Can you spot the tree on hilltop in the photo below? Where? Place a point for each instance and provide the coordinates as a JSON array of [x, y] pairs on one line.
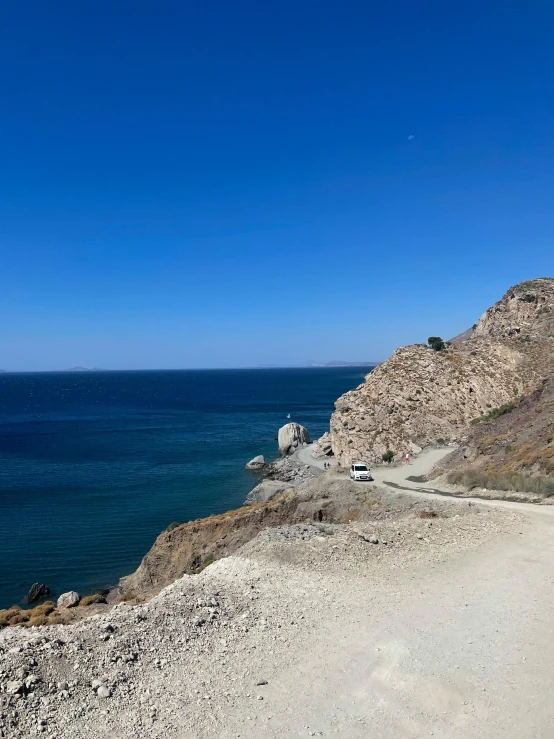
[[436, 343]]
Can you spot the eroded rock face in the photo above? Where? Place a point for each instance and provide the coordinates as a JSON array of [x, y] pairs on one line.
[[323, 446], [291, 436], [526, 310], [420, 396]]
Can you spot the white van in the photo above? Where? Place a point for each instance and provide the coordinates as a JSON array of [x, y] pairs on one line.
[[360, 471]]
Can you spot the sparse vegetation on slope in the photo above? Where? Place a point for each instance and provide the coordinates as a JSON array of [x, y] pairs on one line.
[[512, 451], [495, 413], [518, 482]]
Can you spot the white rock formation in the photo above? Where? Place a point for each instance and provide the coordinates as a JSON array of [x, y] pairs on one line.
[[257, 463], [69, 600], [291, 436]]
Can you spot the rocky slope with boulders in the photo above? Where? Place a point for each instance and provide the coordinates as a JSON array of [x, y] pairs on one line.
[[422, 397]]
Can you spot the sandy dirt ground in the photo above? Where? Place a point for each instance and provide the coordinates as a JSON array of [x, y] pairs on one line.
[[457, 648], [443, 628]]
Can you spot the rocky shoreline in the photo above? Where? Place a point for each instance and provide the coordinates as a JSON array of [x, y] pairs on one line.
[[277, 477]]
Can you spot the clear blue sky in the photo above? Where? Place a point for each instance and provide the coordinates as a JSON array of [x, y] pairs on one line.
[[192, 184]]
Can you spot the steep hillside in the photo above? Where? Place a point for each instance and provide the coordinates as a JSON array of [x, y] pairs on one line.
[[421, 396], [514, 451]]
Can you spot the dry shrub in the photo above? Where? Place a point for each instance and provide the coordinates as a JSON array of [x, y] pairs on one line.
[[43, 610], [427, 514], [126, 596], [90, 600], [38, 620], [490, 440], [37, 616], [56, 618], [508, 481], [7, 614], [19, 618]]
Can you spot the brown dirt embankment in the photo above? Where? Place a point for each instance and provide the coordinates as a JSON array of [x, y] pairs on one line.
[[189, 548]]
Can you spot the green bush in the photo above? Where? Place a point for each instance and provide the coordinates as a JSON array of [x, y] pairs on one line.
[[174, 525], [388, 456], [495, 413], [436, 343]]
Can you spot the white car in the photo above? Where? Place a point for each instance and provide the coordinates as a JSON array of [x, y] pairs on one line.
[[360, 472]]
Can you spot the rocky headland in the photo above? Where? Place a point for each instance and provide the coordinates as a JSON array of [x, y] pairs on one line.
[[421, 397]]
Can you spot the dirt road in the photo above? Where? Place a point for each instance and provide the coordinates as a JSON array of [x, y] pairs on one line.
[[460, 648], [396, 478]]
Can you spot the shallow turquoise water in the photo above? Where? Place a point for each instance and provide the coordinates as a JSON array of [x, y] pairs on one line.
[[94, 465]]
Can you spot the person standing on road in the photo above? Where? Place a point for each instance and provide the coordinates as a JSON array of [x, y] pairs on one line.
[[407, 459]]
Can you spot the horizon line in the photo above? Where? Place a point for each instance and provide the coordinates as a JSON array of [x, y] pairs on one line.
[[85, 370]]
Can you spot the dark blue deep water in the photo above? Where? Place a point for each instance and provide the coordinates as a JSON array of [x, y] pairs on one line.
[[94, 465]]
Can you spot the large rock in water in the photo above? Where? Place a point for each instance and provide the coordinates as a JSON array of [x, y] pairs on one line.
[[37, 590], [69, 600], [291, 436], [257, 463]]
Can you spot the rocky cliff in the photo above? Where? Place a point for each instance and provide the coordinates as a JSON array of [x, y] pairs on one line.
[[421, 396]]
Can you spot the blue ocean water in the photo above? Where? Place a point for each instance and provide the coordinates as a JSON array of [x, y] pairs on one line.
[[94, 465]]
